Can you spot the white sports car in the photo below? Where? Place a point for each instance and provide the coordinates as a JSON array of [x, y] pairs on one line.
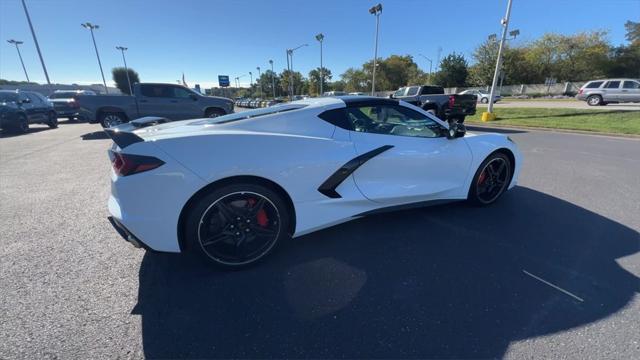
[[234, 187]]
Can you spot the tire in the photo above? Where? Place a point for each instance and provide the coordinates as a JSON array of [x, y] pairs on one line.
[[110, 119], [456, 120], [594, 100], [53, 120], [484, 100], [432, 111], [236, 235], [488, 185], [212, 113], [22, 126]]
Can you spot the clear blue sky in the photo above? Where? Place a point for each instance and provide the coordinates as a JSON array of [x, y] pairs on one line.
[[207, 38]]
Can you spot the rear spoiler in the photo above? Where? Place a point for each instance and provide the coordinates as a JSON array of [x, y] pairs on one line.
[[124, 136]]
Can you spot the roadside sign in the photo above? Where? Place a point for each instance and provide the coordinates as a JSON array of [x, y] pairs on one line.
[[223, 80]]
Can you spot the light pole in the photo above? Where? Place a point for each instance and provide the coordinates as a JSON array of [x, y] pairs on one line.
[[35, 40], [273, 81], [505, 27], [91, 26], [126, 69], [430, 65], [259, 82], [250, 79], [320, 38], [16, 43], [290, 55], [376, 10]]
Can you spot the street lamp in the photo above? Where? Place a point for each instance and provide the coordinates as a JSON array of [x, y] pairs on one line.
[[250, 79], [91, 27], [273, 81], [259, 81], [35, 40], [376, 10], [126, 69], [505, 27], [430, 65], [320, 38], [290, 65], [16, 43]]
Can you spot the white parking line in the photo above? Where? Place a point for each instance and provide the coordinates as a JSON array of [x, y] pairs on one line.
[[553, 286]]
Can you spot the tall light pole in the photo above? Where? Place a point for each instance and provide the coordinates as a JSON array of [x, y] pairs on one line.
[[290, 61], [91, 26], [320, 38], [259, 81], [250, 79], [438, 58], [430, 65], [126, 69], [505, 29], [273, 81], [16, 43], [35, 40], [376, 10]]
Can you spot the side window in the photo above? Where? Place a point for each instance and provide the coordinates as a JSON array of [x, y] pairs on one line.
[[413, 91], [630, 85], [180, 93], [594, 84], [613, 85], [155, 91], [24, 97], [34, 99], [392, 120], [399, 92]]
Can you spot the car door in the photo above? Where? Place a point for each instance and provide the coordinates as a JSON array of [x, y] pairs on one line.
[[29, 108], [630, 91], [157, 100], [412, 160], [187, 103], [611, 91]]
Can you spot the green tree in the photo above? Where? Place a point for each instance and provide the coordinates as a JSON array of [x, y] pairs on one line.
[[119, 75], [285, 81], [314, 80], [355, 80], [633, 32], [453, 71], [267, 83], [484, 56]]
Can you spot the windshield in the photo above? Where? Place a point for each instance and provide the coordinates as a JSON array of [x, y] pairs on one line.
[[8, 97], [249, 114]]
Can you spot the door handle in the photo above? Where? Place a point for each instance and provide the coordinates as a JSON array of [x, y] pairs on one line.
[[625, 90]]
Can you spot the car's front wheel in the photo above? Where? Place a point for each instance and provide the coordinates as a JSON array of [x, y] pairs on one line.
[[491, 180], [237, 225], [484, 100], [594, 100], [52, 120], [212, 113]]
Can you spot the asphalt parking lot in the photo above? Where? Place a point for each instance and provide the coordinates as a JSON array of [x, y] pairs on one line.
[[551, 271]]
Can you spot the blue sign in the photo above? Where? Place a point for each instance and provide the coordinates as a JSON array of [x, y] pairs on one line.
[[223, 80]]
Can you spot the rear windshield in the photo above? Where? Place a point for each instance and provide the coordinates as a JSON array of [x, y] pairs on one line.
[[594, 84], [63, 95], [249, 114], [8, 97]]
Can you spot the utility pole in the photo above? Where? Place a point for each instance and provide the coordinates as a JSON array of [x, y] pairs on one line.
[[91, 26], [290, 54], [35, 40], [16, 43], [259, 81], [320, 38], [430, 65], [376, 10], [273, 81], [126, 69], [505, 27]]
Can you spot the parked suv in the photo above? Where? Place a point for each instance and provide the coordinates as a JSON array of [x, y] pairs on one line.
[[66, 104], [603, 92], [18, 109]]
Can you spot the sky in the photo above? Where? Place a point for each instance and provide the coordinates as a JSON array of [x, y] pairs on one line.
[[205, 39]]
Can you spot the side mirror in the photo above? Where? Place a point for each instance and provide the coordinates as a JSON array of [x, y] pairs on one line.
[[24, 101], [456, 130], [193, 97]]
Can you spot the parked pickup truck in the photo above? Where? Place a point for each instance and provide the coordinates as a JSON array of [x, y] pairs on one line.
[[453, 108], [170, 101]]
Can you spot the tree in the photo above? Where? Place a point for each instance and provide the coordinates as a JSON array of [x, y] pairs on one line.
[[633, 32], [119, 75], [485, 56], [267, 83], [314, 80], [297, 82], [453, 71], [355, 80]]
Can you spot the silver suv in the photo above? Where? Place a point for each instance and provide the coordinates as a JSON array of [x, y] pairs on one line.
[[602, 92]]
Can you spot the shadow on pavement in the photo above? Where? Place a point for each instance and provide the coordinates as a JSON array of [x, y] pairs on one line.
[[32, 130], [96, 135], [441, 282]]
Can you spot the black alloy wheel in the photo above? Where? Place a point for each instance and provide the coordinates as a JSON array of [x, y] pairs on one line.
[[491, 179], [52, 120], [23, 125]]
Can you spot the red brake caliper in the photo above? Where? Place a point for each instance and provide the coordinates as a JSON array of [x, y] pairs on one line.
[[261, 216], [482, 176]]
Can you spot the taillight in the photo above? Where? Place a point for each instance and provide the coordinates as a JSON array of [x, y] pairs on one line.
[[579, 91], [128, 164], [452, 101]]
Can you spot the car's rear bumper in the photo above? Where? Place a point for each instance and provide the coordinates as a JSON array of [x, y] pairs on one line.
[[127, 235]]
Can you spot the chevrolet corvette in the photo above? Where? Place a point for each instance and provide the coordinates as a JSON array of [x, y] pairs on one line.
[[234, 187]]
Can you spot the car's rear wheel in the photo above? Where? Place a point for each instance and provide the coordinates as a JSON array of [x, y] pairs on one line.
[[594, 100], [456, 120], [484, 100], [212, 113], [22, 126], [491, 180], [237, 225], [52, 120], [111, 119]]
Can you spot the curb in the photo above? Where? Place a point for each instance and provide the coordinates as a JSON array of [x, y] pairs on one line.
[[569, 131]]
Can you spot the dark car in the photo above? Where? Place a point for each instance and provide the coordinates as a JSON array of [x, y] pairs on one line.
[[18, 109], [65, 102], [450, 107]]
